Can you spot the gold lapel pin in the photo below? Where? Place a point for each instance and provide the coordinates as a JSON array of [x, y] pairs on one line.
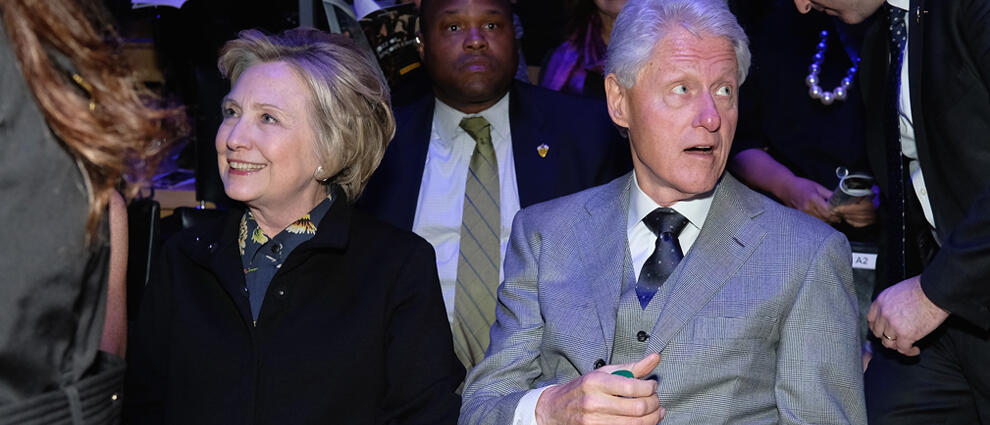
[[542, 150]]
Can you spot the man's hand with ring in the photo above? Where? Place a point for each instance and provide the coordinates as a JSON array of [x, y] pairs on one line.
[[903, 314]]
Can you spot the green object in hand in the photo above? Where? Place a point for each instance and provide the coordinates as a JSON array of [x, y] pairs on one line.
[[625, 373]]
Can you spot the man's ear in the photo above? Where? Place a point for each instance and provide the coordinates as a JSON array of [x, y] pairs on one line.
[[615, 99]]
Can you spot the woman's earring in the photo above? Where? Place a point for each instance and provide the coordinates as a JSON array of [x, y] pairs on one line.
[[318, 173]]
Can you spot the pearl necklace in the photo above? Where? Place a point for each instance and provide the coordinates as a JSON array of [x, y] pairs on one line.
[[815, 91]]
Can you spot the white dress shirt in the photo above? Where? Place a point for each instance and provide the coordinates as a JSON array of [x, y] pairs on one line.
[[441, 193], [642, 242], [906, 122]]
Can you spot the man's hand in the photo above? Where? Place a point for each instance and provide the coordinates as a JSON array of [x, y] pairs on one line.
[[807, 196], [902, 314], [861, 213], [602, 398]]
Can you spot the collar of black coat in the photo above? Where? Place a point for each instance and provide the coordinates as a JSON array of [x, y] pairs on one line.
[[215, 241]]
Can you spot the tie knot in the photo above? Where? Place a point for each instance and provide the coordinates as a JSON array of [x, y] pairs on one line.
[[665, 220], [897, 25], [478, 128]]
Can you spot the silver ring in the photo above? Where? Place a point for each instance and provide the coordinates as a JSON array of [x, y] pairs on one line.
[[887, 337]]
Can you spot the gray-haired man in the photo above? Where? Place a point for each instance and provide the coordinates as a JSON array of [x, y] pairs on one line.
[[749, 303]]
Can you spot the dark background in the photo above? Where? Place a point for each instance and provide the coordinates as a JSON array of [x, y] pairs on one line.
[[185, 43]]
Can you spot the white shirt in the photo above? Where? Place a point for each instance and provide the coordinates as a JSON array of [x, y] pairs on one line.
[[441, 193], [906, 122], [642, 241]]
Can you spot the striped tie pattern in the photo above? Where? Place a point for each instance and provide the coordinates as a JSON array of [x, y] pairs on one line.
[[478, 266]]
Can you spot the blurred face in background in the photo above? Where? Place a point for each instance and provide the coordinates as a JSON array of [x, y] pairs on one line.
[[469, 50], [849, 11], [610, 7], [266, 147]]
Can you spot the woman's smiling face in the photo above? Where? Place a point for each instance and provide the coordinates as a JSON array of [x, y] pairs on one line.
[[266, 144]]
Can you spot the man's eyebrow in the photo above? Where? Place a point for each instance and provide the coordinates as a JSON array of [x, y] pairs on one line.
[[498, 12], [449, 12], [486, 12], [730, 73]]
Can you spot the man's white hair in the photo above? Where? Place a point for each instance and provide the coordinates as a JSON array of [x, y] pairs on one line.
[[643, 23]]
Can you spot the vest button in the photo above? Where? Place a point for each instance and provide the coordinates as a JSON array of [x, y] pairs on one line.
[[642, 336], [599, 363]]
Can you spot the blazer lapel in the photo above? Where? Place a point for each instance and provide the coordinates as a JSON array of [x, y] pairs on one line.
[[917, 17], [872, 78], [915, 49], [535, 174], [727, 240], [606, 254]]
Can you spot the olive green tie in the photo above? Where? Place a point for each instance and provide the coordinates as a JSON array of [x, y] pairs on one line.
[[478, 266]]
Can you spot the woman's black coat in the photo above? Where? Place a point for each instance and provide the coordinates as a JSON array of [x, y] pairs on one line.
[[352, 331]]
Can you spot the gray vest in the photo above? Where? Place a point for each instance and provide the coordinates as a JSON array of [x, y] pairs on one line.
[[634, 325]]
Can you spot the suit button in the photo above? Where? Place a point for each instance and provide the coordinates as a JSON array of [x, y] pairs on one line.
[[280, 292], [244, 291], [599, 363], [642, 336]]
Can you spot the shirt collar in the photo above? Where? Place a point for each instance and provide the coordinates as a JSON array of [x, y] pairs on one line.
[[641, 205], [900, 4], [251, 238], [448, 120]]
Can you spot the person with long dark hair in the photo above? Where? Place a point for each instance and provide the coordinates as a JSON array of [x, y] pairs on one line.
[[73, 123]]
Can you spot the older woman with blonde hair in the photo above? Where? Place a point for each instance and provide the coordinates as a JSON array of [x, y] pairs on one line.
[[297, 309]]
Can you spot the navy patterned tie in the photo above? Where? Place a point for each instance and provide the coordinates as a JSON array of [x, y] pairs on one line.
[[666, 224], [895, 162]]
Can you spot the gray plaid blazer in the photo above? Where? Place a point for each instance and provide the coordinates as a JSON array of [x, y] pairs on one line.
[[761, 327]]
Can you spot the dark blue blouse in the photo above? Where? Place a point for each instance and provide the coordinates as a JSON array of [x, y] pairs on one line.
[[263, 256]]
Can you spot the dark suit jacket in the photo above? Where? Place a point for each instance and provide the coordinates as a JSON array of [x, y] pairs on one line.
[[585, 150], [352, 330], [949, 60]]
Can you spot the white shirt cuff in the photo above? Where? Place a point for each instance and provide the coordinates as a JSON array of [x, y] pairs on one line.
[[526, 409]]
